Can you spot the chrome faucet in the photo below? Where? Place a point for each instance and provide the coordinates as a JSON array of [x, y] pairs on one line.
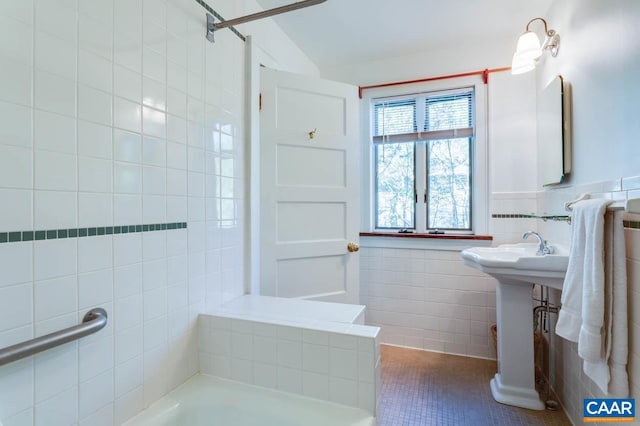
[[543, 248]]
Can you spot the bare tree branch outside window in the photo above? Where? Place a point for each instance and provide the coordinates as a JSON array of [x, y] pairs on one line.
[[447, 162]]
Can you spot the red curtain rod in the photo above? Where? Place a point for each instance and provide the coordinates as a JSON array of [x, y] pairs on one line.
[[484, 73]]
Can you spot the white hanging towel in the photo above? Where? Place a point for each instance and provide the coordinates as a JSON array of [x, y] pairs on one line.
[[610, 371], [583, 288], [594, 296]]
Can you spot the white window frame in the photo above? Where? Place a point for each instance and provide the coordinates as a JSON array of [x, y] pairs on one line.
[[479, 166]]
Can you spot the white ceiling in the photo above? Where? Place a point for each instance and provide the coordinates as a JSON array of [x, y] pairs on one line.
[[344, 31]]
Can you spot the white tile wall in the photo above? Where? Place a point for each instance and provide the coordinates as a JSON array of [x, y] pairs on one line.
[[509, 230], [341, 367], [428, 299], [102, 123]]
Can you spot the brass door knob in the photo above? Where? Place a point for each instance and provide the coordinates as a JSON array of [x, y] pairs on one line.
[[353, 247]]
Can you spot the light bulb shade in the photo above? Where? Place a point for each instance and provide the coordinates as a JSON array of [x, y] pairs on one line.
[[520, 65], [529, 46]]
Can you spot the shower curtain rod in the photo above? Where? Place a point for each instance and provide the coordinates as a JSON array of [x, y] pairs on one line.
[[212, 26], [484, 73]]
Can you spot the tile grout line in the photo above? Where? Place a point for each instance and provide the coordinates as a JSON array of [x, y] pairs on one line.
[[113, 203], [32, 124], [77, 196]]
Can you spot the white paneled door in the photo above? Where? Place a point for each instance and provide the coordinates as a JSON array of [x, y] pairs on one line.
[[309, 188]]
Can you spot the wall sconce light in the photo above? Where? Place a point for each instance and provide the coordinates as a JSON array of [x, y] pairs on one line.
[[529, 48]]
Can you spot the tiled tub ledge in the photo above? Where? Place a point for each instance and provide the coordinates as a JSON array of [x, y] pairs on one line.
[[316, 349], [296, 310]]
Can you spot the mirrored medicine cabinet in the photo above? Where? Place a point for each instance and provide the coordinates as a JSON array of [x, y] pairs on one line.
[[554, 132]]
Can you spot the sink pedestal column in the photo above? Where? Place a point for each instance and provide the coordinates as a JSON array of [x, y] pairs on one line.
[[514, 384]]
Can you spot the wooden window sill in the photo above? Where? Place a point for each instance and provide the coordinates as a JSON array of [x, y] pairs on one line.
[[427, 236]]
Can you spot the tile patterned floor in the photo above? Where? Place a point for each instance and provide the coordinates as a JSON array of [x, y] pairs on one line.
[[427, 388]]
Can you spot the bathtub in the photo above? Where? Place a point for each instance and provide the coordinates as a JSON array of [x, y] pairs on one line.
[[274, 361], [209, 401]]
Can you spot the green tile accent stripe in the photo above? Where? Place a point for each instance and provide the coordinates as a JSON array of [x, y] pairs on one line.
[[630, 224], [545, 217], [53, 234], [511, 216], [532, 216]]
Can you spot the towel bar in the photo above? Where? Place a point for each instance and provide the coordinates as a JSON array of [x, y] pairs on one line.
[[630, 206], [93, 321]]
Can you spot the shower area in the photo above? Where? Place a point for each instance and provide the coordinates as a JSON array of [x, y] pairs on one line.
[[123, 176]]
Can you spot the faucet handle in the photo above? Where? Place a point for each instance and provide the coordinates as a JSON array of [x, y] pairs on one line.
[[543, 247]]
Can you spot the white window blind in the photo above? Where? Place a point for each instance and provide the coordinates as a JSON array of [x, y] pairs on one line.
[[395, 117], [447, 115]]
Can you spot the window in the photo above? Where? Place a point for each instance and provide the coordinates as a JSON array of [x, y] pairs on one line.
[[422, 155]]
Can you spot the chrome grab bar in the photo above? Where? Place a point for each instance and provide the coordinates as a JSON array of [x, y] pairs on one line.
[[93, 321]]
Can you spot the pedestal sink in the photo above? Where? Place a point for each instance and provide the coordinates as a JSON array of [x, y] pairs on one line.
[[517, 267]]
